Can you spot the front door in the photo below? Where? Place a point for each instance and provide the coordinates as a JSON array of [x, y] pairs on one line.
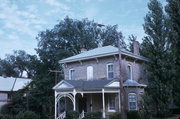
[[82, 104]]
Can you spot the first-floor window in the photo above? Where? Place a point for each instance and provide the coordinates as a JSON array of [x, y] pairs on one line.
[[111, 103], [72, 75], [132, 100]]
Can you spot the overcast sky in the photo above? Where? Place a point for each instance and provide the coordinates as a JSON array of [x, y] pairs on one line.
[[22, 20]]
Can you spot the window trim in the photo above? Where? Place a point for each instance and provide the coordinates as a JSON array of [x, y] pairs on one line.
[[70, 78], [129, 65], [107, 72], [89, 79], [129, 101], [111, 110]]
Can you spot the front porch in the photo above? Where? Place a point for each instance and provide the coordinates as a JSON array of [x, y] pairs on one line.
[[87, 96]]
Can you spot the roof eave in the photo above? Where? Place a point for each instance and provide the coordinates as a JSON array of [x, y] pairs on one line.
[[103, 55]]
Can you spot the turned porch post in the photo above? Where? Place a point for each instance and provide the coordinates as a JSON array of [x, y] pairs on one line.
[[103, 100], [55, 95], [74, 102]]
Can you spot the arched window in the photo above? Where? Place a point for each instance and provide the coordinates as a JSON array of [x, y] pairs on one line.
[[110, 71], [129, 72], [72, 75], [132, 101], [89, 73]]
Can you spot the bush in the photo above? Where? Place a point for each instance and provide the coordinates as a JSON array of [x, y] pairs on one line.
[[133, 115], [5, 109], [26, 115], [93, 115], [6, 116], [115, 115], [72, 115], [144, 115]]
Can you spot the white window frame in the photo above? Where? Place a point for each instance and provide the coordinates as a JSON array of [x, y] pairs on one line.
[[131, 74], [70, 77], [133, 101], [92, 73], [108, 71], [109, 97]]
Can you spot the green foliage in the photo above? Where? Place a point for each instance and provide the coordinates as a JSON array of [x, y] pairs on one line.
[[72, 115], [93, 115], [5, 109], [173, 14], [115, 115], [26, 115], [156, 47], [133, 115], [6, 116]]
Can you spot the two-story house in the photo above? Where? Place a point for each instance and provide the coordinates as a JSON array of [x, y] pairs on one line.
[[91, 81]]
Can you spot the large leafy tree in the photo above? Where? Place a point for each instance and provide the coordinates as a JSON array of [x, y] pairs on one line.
[[155, 46], [69, 36], [173, 12], [17, 63]]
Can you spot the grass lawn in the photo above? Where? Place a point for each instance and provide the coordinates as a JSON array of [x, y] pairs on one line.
[[177, 116]]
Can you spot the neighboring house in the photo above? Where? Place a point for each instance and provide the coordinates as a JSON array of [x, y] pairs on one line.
[[9, 85], [91, 81]]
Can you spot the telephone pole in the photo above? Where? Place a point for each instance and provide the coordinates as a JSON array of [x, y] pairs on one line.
[[56, 74], [121, 79]]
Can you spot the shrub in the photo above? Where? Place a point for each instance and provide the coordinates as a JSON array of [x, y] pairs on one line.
[[133, 115], [144, 115], [72, 115], [93, 115], [115, 115], [5, 109], [6, 116], [26, 115]]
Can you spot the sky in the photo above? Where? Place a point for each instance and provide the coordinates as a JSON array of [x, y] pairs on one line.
[[22, 20]]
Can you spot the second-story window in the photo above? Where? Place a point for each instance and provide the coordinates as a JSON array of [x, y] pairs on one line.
[[110, 71], [72, 74], [129, 69], [89, 73]]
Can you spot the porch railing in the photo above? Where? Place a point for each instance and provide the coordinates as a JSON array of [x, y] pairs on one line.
[[82, 115], [62, 115]]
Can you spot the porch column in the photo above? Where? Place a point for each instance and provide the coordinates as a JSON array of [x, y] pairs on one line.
[[55, 95], [103, 100], [74, 101], [119, 101]]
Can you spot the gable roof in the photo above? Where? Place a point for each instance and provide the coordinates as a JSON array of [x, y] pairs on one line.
[[100, 52], [6, 84]]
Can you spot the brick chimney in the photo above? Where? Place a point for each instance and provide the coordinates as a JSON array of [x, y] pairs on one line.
[[136, 47]]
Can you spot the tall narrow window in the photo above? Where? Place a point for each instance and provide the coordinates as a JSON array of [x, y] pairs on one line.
[[111, 103], [129, 68], [132, 100], [89, 73], [110, 71], [72, 74]]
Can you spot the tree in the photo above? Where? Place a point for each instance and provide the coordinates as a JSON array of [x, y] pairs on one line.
[[173, 12], [155, 46], [17, 63]]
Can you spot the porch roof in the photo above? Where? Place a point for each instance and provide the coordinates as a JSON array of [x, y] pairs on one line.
[[94, 84], [84, 85]]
